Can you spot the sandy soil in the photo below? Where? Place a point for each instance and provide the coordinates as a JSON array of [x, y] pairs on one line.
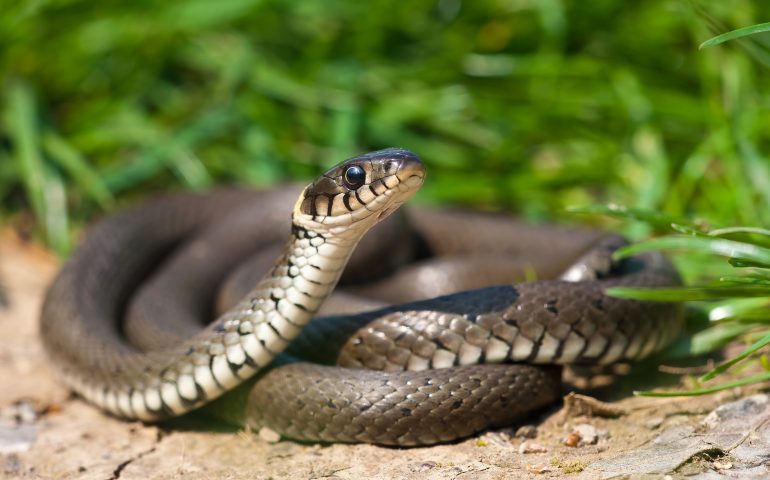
[[45, 432]]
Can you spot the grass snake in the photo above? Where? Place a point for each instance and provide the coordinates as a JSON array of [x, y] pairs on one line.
[[125, 321]]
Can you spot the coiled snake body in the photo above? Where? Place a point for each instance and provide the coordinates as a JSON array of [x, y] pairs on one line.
[[417, 375]]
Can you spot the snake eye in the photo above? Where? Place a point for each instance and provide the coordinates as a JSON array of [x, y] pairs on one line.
[[354, 176]]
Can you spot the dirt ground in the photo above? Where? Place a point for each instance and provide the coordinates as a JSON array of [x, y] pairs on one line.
[[45, 432]]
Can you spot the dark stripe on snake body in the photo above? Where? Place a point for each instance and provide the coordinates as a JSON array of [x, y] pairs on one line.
[[358, 197]]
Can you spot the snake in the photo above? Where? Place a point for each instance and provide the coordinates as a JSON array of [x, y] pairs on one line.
[[133, 323]]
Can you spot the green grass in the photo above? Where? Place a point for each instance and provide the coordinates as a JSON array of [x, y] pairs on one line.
[[533, 107], [736, 303], [737, 315], [736, 34]]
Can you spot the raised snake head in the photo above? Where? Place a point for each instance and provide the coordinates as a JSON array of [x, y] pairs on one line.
[[351, 197]]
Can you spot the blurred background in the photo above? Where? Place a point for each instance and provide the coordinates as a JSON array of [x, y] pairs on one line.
[[528, 106]]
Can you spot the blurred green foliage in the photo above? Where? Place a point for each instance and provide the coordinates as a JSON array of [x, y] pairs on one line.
[[524, 105]]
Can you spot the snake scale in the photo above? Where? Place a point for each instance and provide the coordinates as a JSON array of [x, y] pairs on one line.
[[419, 372]]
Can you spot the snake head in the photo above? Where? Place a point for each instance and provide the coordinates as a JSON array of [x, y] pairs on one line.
[[354, 195]]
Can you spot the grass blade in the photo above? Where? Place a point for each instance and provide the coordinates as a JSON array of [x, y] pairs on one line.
[[45, 189], [708, 340], [657, 219], [732, 35], [765, 340], [688, 294], [746, 280], [21, 123], [720, 232], [56, 216], [69, 159], [703, 391], [740, 251]]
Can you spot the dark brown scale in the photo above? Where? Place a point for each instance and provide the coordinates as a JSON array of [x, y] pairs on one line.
[[406, 411]]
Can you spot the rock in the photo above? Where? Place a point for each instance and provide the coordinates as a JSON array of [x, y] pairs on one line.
[[738, 431], [19, 412], [654, 422], [571, 440], [737, 411], [539, 469], [16, 439], [498, 439], [269, 435], [420, 467], [531, 447], [590, 435], [526, 431], [585, 434]]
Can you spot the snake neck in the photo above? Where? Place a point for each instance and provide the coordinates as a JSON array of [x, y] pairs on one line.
[[291, 293]]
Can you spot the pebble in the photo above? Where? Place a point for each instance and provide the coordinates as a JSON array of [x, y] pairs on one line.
[[539, 469], [585, 434], [420, 467], [654, 422], [588, 434], [498, 439], [531, 447], [269, 435], [526, 431], [571, 440], [21, 412], [16, 439]]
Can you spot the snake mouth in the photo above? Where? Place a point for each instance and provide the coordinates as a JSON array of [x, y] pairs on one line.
[[409, 168]]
